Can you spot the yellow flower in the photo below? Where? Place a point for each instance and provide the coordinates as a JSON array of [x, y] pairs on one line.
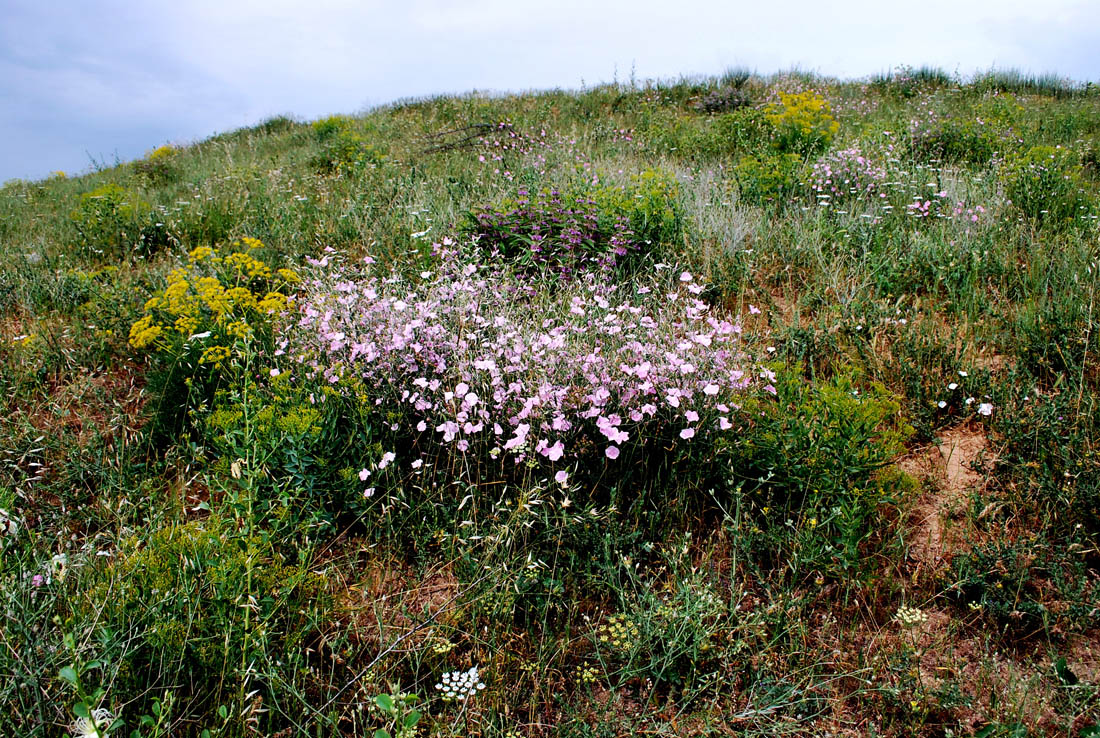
[[289, 276], [144, 332], [214, 355], [200, 253]]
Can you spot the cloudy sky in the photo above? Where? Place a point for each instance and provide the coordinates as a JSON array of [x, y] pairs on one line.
[[86, 82]]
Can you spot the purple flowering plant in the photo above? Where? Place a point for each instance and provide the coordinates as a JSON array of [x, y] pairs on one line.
[[468, 366]]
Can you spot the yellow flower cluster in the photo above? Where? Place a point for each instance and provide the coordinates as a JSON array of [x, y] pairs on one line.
[[803, 120], [619, 632], [224, 294]]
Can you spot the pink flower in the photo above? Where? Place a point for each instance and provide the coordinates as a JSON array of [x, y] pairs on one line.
[[753, 310], [710, 389], [687, 433], [612, 452], [561, 477], [363, 474], [554, 452], [724, 423], [368, 492]]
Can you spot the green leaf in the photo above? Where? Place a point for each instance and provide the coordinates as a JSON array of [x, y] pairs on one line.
[[380, 733], [80, 709], [68, 673], [412, 719], [1064, 672], [385, 702], [223, 712]]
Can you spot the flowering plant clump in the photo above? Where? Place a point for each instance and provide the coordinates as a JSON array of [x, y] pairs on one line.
[[553, 232], [847, 175], [343, 149], [467, 361], [1045, 185], [159, 164], [803, 122], [218, 300], [584, 229]]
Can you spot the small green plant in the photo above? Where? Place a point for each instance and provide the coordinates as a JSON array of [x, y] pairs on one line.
[[113, 222], [399, 712], [769, 178], [1044, 184], [343, 149], [92, 720]]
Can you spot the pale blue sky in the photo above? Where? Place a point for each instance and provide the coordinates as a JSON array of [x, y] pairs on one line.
[[100, 80]]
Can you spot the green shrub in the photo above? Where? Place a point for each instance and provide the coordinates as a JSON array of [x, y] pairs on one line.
[[1045, 186], [814, 467], [201, 606], [343, 149], [159, 165], [113, 222], [1027, 586], [956, 141], [769, 177], [747, 129]]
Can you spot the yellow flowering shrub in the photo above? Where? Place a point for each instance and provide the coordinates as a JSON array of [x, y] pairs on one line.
[[216, 302], [803, 122]]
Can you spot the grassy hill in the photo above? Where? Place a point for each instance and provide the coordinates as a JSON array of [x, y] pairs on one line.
[[738, 406]]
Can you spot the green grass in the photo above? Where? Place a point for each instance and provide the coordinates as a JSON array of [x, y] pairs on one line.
[[187, 544]]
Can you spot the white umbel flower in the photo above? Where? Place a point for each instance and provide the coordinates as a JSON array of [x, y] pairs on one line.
[[460, 685]]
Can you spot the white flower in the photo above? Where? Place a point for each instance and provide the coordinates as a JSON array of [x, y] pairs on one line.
[[9, 525], [94, 726], [910, 617], [460, 685], [986, 408]]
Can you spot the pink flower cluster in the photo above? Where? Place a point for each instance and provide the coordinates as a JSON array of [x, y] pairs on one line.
[[847, 175], [470, 362]]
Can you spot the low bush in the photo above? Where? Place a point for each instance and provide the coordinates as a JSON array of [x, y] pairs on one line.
[[115, 223], [955, 141], [845, 176], [343, 149], [585, 228], [803, 121], [199, 608], [1044, 184], [470, 372], [216, 310], [769, 178]]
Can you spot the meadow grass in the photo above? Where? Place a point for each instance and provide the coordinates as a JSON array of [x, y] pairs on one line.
[[749, 405]]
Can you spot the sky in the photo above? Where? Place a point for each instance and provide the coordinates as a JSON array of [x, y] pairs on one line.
[[88, 83]]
